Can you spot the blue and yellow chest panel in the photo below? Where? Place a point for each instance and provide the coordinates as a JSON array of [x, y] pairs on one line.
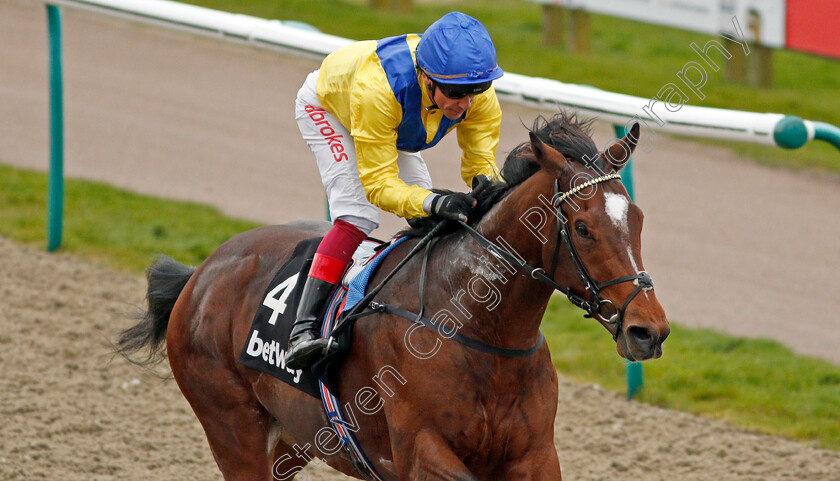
[[395, 57]]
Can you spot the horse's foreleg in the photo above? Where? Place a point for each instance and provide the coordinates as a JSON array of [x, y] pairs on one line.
[[286, 463], [536, 466], [427, 457]]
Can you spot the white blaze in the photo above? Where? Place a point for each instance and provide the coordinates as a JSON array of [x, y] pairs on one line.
[[617, 207]]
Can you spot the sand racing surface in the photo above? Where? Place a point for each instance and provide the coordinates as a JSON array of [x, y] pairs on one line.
[[730, 245]]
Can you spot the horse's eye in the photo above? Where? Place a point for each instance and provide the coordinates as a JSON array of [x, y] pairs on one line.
[[581, 229]]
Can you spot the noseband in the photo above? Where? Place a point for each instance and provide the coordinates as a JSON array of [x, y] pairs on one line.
[[595, 305]]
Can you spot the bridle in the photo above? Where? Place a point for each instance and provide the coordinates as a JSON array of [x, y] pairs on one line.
[[594, 306]]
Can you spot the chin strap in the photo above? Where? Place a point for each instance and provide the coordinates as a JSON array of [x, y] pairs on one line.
[[432, 97], [431, 90]]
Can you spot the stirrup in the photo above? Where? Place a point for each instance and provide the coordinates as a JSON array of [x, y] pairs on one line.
[[331, 344], [307, 355]]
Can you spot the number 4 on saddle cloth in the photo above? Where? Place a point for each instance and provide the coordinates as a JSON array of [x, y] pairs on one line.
[[268, 339]]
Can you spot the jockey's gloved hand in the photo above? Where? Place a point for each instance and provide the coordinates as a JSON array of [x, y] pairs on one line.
[[479, 183], [455, 206]]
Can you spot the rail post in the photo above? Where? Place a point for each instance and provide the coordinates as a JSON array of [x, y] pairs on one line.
[[55, 200], [635, 376]]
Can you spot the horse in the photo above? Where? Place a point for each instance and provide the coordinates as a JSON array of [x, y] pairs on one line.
[[427, 407]]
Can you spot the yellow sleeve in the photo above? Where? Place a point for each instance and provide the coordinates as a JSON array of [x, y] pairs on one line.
[[375, 116], [478, 137]]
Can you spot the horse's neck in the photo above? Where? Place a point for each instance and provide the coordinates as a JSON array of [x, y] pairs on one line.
[[504, 307]]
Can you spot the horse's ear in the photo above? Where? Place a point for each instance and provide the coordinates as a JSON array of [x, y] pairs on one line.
[[548, 158], [620, 152]]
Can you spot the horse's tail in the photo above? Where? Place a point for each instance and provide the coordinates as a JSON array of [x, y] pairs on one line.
[[166, 278]]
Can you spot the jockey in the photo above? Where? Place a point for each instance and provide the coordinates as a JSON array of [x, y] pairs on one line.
[[366, 114]]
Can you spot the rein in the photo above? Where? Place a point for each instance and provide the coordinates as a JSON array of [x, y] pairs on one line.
[[376, 307], [456, 336], [366, 301]]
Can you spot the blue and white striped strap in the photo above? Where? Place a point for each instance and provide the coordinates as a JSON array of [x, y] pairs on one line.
[[333, 407]]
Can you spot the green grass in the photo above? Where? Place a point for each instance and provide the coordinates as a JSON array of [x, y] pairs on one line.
[[627, 57], [756, 384], [123, 230]]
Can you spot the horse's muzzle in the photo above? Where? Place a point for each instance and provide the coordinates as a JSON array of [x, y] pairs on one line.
[[640, 343]]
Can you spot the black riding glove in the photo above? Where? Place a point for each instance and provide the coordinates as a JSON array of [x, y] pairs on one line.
[[455, 206], [480, 181]]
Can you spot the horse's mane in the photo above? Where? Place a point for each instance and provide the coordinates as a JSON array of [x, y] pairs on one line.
[[563, 132]]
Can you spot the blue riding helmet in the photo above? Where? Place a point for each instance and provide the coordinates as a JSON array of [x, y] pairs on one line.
[[457, 50]]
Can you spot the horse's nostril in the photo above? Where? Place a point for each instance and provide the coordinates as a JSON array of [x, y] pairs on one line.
[[641, 335]]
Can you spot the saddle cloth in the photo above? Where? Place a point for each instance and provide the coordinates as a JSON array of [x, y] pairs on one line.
[[268, 338]]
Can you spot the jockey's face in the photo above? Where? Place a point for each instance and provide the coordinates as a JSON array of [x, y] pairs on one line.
[[451, 108]]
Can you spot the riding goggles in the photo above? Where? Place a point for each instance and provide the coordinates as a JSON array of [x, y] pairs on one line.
[[459, 91]]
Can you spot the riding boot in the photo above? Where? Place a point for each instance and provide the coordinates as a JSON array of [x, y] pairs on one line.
[[305, 345]]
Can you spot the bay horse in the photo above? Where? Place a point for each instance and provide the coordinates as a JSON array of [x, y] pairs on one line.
[[459, 413]]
